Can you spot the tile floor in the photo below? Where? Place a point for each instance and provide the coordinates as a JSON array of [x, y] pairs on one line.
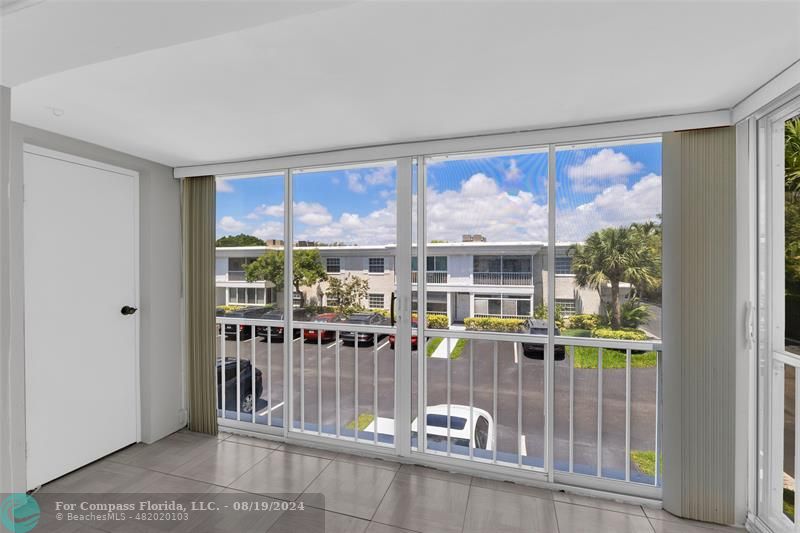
[[360, 494]]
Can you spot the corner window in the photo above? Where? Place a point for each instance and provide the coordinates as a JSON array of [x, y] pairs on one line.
[[567, 305], [376, 265], [376, 301], [333, 265], [563, 265]]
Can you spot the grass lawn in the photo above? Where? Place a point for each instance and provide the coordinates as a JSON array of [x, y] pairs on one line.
[[576, 333], [458, 349], [586, 357], [645, 462], [364, 419], [788, 503]]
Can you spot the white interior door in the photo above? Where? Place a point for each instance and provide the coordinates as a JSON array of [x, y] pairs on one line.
[[81, 351]]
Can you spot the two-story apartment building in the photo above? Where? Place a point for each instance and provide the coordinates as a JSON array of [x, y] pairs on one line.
[[465, 279]]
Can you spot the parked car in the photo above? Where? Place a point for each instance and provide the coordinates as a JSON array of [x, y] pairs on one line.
[[371, 319], [245, 380], [478, 429], [299, 314], [413, 338], [536, 350], [312, 335], [245, 331]]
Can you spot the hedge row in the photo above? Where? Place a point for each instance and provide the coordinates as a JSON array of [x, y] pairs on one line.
[[583, 321], [625, 334], [505, 325]]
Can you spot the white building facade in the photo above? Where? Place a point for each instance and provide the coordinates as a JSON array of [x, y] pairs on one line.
[[467, 279]]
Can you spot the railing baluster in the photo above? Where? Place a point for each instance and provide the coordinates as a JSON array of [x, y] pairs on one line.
[[494, 403], [355, 381], [319, 382], [628, 414], [269, 376], [302, 380], [375, 389], [520, 355], [471, 402], [447, 368], [657, 444], [796, 395], [253, 373], [338, 389], [572, 409], [222, 372], [600, 412], [238, 372]]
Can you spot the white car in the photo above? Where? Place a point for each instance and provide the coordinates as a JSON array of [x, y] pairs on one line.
[[479, 429]]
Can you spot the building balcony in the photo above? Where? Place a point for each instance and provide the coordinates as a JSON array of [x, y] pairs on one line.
[[431, 277], [502, 278]]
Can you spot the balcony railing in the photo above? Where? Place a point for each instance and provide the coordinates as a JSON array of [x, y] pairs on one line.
[[236, 275], [431, 277], [502, 278]]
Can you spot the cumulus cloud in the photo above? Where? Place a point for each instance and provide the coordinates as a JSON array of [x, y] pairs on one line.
[[601, 168], [231, 225], [311, 213], [513, 172], [269, 230], [354, 182], [224, 185], [359, 183]]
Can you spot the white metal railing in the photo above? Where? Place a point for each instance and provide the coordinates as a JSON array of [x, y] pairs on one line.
[[504, 375], [785, 441], [502, 278], [318, 357], [431, 277]]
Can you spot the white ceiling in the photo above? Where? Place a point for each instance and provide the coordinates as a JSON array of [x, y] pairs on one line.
[[227, 85]]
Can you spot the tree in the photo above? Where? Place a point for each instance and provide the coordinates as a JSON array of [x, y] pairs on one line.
[[239, 240], [792, 156], [348, 293], [306, 267], [612, 256]]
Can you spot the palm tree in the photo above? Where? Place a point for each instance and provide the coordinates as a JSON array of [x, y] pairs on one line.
[[612, 256], [792, 156]]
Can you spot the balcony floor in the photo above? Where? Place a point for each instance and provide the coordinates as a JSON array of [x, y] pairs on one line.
[[360, 494]]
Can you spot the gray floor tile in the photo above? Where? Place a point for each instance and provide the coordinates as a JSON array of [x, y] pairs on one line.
[[170, 453], [103, 476], [507, 512], [579, 518], [306, 450], [369, 461], [350, 488], [254, 441], [375, 527], [515, 488], [599, 503], [424, 503], [282, 475], [157, 482], [313, 520], [223, 463], [435, 473]]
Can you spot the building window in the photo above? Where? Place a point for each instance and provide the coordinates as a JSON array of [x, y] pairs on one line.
[[563, 265], [437, 303], [236, 266], [331, 301], [376, 265], [437, 263], [567, 306], [376, 301], [247, 296], [502, 305], [297, 299], [333, 265]]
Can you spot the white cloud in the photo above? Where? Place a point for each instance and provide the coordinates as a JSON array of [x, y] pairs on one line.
[[269, 230], [380, 176], [312, 213], [231, 225], [513, 172], [601, 168], [354, 182], [224, 185]]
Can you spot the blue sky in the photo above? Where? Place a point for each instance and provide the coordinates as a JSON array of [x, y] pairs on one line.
[[503, 197]]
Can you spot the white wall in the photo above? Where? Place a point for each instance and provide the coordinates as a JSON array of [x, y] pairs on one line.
[[160, 270], [459, 269]]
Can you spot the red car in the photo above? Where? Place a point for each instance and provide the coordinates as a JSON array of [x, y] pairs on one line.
[[310, 335], [413, 338]]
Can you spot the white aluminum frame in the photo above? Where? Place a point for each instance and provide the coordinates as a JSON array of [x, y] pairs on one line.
[[403, 331]]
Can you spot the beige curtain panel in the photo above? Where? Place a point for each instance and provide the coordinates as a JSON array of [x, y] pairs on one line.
[[198, 238]]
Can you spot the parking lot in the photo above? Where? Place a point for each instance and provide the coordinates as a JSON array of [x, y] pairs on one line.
[[319, 396]]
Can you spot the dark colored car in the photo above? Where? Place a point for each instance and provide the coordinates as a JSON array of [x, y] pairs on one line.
[[276, 332], [245, 381], [312, 335], [245, 331], [413, 338], [370, 319], [535, 350]]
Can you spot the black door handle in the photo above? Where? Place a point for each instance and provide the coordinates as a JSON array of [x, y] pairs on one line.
[[128, 310]]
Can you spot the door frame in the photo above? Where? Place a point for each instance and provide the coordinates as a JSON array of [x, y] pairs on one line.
[[28, 148], [771, 356]]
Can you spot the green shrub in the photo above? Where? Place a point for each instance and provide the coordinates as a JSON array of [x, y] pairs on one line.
[[434, 321], [382, 312], [229, 308], [633, 313], [624, 334], [583, 321], [505, 325], [541, 313]]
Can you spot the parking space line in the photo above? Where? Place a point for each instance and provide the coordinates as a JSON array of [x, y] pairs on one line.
[[268, 409], [381, 347], [516, 352], [327, 347], [523, 445]]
